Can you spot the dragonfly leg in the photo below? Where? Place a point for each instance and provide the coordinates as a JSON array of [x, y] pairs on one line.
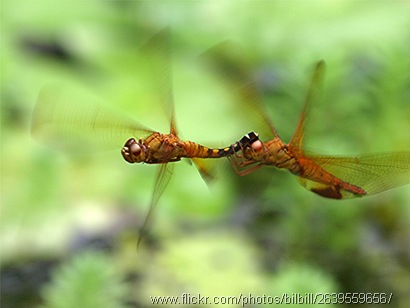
[[240, 166], [238, 159], [163, 161]]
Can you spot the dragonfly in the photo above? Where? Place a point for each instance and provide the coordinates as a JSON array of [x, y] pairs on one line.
[[71, 122], [334, 177]]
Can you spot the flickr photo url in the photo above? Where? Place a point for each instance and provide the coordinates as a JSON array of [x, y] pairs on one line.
[[285, 298]]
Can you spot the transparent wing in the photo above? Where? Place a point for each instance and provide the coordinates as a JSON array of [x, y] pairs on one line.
[[157, 66], [157, 55], [75, 122], [311, 97], [206, 169], [228, 61], [161, 182], [372, 172]]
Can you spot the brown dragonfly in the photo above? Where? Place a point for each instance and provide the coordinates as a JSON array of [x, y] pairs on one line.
[[71, 122], [333, 177]]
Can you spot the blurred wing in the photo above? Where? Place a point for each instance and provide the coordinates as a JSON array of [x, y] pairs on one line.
[[161, 182], [227, 60], [206, 168], [311, 97], [72, 121], [372, 172], [157, 55]]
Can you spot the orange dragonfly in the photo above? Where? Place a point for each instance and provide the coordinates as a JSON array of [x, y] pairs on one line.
[[70, 122], [332, 177]]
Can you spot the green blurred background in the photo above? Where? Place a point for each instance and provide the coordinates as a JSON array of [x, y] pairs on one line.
[[68, 223]]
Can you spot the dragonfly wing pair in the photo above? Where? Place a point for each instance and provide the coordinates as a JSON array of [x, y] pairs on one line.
[[72, 122], [331, 177], [75, 122]]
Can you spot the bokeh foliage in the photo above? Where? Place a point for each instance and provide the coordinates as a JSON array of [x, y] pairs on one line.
[[77, 216]]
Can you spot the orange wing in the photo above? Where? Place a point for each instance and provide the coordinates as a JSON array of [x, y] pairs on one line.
[[297, 140]]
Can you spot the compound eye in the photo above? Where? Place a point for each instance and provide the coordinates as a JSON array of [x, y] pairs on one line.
[[257, 146], [135, 149]]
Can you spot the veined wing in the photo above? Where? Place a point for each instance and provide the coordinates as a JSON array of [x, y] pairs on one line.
[[157, 64], [228, 61], [311, 97], [162, 179], [72, 121], [372, 172], [157, 55], [157, 68]]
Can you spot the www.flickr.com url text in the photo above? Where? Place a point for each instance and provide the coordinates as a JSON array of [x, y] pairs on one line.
[[285, 298]]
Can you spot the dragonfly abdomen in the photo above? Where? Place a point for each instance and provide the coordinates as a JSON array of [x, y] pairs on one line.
[[195, 150], [199, 151], [331, 186]]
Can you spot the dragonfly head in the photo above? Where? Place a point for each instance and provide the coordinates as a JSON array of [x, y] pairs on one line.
[[256, 146], [252, 147], [133, 151]]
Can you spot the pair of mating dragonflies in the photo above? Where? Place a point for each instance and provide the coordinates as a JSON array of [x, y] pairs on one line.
[[58, 114]]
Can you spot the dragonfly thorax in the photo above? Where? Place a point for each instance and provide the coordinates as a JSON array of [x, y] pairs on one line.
[[273, 152]]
